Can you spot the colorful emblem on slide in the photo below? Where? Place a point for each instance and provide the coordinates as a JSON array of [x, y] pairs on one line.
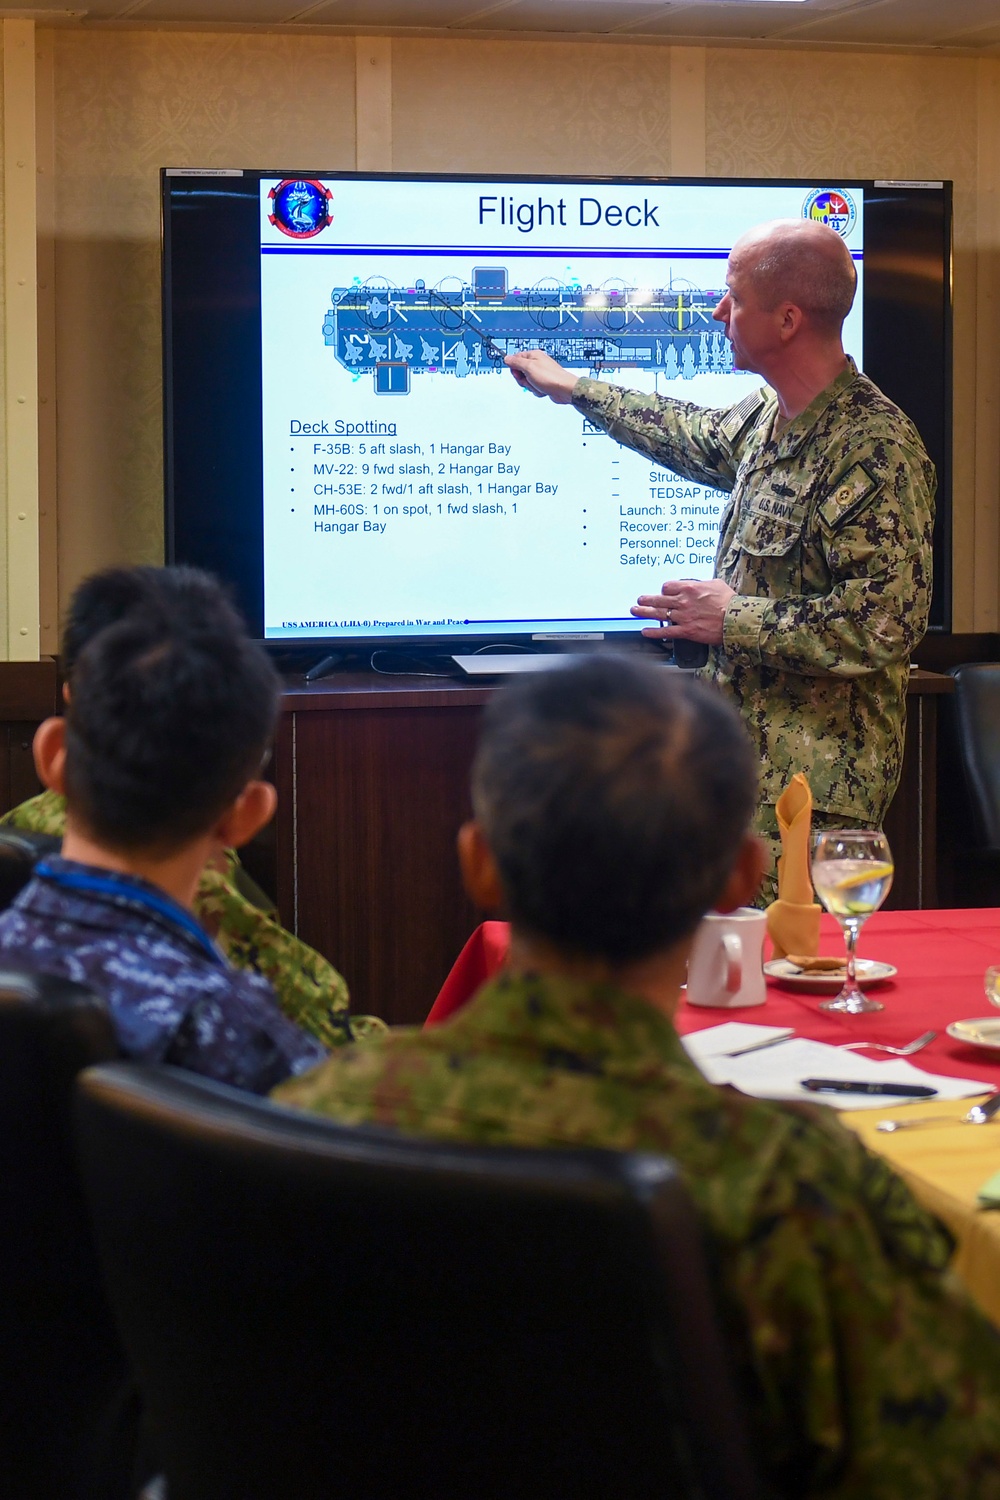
[[832, 207], [300, 207]]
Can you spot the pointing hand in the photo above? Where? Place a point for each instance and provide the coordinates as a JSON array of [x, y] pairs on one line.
[[538, 373]]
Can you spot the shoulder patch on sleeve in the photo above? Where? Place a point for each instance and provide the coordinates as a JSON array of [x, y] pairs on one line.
[[850, 494], [739, 416]]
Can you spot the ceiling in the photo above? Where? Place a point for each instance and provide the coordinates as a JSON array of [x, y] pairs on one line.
[[968, 26]]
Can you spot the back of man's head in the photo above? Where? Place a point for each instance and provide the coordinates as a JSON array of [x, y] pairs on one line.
[[615, 797], [171, 711], [110, 595], [804, 262]]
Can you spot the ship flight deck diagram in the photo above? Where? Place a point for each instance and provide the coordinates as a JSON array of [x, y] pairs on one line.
[[465, 329]]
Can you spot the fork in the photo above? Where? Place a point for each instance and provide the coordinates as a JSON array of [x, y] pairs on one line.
[[907, 1051]]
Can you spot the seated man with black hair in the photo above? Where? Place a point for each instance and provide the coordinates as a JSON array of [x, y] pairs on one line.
[[169, 719], [612, 804], [310, 991]]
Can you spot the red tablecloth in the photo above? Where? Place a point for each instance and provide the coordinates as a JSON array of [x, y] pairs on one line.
[[941, 957], [483, 955]]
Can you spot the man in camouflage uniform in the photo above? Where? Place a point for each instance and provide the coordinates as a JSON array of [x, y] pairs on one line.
[[611, 802], [231, 908], [823, 568], [158, 756]]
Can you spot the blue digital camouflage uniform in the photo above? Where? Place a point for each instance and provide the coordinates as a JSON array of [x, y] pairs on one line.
[[870, 1375], [309, 989], [827, 542], [173, 996]]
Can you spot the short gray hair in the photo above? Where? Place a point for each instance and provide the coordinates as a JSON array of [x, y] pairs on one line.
[[812, 274]]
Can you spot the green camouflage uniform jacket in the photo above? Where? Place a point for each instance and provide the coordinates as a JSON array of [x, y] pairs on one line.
[[827, 542], [870, 1374], [308, 988]]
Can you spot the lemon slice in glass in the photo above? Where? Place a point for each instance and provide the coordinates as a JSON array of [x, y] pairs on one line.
[[873, 870]]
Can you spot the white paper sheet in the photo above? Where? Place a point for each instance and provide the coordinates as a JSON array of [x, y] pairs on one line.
[[777, 1072]]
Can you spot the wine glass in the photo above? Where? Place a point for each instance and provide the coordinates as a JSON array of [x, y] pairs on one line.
[[852, 872], [991, 984]]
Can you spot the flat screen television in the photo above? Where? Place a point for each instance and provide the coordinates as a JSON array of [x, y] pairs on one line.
[[344, 446]]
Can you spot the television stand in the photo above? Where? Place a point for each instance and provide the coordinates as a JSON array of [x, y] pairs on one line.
[[688, 655], [503, 663]]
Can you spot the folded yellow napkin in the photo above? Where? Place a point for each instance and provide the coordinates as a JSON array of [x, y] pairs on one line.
[[989, 1194], [793, 920]]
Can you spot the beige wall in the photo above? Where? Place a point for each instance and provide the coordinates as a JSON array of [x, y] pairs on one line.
[[121, 104], [903, 117], [125, 104]]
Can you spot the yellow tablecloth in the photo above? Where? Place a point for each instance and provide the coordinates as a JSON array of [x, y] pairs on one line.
[[946, 1165]]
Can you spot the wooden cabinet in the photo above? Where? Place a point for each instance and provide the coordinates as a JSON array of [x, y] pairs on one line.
[[29, 693], [372, 778], [372, 774]]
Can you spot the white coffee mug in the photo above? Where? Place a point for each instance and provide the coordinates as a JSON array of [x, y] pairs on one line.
[[726, 966]]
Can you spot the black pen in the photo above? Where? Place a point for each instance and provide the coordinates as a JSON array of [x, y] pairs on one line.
[[842, 1086]]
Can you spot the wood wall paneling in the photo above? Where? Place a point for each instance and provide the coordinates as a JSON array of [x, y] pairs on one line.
[[19, 779], [29, 692], [377, 798]]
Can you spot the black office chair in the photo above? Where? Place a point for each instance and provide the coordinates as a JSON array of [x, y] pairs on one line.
[[20, 851], [975, 727], [314, 1310], [977, 713], [67, 1404]]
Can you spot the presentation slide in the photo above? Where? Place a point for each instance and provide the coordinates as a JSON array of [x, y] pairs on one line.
[[410, 486]]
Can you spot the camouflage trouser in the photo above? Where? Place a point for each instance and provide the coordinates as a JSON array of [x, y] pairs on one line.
[[309, 990], [765, 825]]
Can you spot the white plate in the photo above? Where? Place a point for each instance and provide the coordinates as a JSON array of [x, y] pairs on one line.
[[981, 1031], [869, 972]]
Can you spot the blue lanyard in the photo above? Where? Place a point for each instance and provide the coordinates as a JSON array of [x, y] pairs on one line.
[[111, 885]]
